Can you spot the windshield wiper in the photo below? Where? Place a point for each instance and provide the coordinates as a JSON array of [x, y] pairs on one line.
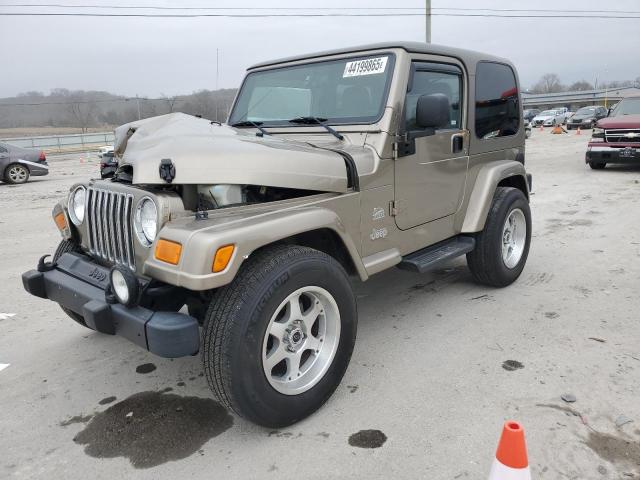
[[317, 121], [249, 123]]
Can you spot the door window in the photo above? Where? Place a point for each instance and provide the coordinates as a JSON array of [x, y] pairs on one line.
[[497, 103], [437, 79]]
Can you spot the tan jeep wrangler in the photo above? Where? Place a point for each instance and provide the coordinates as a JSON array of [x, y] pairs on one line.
[[338, 164]]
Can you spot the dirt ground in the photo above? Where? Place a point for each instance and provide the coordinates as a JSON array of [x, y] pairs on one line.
[[440, 363]]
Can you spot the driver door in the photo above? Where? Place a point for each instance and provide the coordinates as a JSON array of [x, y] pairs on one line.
[[431, 169]]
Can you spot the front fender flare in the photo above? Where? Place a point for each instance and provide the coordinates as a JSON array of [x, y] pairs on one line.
[[247, 234]]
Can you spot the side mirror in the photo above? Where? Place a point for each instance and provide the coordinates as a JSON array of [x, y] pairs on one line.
[[433, 111]]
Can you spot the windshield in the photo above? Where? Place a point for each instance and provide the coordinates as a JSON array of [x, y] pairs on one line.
[[627, 106], [547, 113], [586, 111], [346, 91]]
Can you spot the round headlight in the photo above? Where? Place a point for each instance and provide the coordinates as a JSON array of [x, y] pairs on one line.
[[145, 221], [124, 286], [76, 205]]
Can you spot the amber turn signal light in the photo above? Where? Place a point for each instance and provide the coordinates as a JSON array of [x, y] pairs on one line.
[[222, 258], [168, 251], [61, 221]]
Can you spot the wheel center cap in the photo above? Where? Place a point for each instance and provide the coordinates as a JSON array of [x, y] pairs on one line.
[[294, 337]]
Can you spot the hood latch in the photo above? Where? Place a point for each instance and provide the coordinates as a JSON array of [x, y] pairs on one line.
[[167, 170]]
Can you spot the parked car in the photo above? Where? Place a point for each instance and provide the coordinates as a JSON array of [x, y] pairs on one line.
[[256, 226], [105, 150], [549, 118], [108, 164], [530, 113], [527, 128], [18, 164], [616, 138], [586, 117]]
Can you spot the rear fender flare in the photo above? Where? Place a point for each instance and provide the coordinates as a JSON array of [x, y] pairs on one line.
[[489, 178]]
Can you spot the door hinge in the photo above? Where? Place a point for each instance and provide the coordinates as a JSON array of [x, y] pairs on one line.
[[393, 208]]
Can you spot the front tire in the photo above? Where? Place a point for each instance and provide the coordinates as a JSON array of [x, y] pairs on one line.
[[277, 340], [597, 165], [16, 174], [502, 247]]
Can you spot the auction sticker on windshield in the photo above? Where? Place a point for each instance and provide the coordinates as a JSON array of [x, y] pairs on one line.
[[368, 66]]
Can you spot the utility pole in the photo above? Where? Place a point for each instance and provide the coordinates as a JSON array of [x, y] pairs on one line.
[[217, 67], [428, 20], [217, 80]]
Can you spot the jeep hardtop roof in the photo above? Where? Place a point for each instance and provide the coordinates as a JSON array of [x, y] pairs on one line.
[[468, 57]]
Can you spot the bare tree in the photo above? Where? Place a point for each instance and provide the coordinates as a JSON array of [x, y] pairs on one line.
[[548, 83], [82, 111], [170, 101], [580, 86]]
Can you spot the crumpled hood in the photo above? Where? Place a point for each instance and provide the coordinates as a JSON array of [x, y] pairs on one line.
[[206, 153]]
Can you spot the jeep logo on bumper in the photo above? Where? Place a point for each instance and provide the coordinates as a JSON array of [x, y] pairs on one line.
[[98, 275]]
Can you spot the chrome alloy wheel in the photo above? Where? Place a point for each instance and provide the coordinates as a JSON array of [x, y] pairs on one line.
[[514, 237], [301, 340], [18, 174]]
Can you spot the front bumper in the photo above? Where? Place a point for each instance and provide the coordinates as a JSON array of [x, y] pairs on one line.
[[618, 154], [78, 284]]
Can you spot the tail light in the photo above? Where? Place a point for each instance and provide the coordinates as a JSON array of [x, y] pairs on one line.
[[42, 157]]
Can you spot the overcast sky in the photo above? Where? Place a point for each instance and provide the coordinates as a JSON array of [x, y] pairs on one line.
[[151, 56]]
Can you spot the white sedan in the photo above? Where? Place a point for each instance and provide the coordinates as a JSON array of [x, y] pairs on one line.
[[105, 149], [549, 118]]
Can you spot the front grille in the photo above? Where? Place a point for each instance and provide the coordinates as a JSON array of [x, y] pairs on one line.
[[623, 135], [109, 223]]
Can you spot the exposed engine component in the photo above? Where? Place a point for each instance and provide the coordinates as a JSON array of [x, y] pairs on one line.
[[221, 195], [217, 196]]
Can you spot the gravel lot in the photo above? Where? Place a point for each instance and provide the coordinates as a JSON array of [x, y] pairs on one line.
[[428, 371]]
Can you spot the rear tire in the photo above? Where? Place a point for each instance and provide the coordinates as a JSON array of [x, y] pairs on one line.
[[253, 322], [597, 165], [16, 174], [66, 246], [502, 247]]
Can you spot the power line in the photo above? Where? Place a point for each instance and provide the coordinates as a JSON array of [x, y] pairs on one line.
[[304, 15], [156, 7]]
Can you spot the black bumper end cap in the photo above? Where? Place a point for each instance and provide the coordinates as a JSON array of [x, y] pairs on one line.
[[172, 334], [33, 282], [97, 315]]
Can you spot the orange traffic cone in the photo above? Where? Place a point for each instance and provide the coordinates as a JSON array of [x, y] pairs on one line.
[[511, 462], [578, 131]]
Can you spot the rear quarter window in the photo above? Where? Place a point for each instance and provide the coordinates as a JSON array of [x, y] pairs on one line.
[[497, 103]]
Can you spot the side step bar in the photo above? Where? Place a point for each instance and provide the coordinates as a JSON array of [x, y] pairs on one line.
[[433, 256]]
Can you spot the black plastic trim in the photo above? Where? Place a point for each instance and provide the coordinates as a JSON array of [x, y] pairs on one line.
[[167, 334]]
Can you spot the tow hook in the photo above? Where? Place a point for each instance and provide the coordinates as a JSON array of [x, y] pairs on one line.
[[44, 266]]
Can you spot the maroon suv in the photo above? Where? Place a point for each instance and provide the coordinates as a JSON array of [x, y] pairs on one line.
[[616, 138]]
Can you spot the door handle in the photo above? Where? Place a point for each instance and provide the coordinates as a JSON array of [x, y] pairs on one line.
[[457, 142]]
